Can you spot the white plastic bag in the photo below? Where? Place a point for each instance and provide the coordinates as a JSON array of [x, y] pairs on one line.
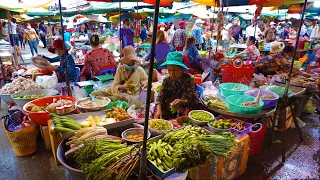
[[40, 44], [46, 81], [79, 93], [210, 90]]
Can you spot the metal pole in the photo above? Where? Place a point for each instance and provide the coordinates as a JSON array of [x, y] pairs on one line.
[[143, 159], [295, 51], [64, 50], [120, 27]]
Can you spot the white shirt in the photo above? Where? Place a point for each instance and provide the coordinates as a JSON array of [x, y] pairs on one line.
[[250, 31], [315, 33], [225, 34], [13, 28]]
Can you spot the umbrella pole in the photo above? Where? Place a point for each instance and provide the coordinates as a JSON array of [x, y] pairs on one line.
[[295, 51], [143, 159], [64, 54], [120, 27]]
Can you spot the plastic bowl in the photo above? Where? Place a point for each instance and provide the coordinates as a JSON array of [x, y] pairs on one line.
[[197, 122], [227, 89], [155, 132], [6, 98], [270, 103], [21, 102], [234, 102], [133, 131], [102, 107], [41, 118], [216, 130], [278, 90]]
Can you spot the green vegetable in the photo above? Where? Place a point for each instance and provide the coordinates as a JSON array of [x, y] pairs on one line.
[[173, 109], [71, 126], [220, 143], [159, 124], [201, 116]]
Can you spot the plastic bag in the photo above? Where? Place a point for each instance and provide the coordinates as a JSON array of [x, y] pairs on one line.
[[210, 90], [40, 44], [46, 81], [118, 103], [79, 93], [142, 96]]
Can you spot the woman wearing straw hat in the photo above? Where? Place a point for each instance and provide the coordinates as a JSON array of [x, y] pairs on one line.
[[129, 77], [178, 89], [277, 60], [271, 33]]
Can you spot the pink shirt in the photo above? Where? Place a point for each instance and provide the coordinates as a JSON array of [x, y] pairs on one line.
[[95, 59]]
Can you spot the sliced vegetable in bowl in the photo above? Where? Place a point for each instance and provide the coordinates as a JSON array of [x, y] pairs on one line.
[[200, 117]]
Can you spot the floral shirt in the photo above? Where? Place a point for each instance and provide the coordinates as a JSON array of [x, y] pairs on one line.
[[179, 38], [184, 89], [95, 59]]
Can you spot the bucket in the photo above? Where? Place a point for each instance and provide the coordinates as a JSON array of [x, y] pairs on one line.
[[197, 79], [256, 138], [24, 141]]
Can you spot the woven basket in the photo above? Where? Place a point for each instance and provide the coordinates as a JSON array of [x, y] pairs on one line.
[[23, 142]]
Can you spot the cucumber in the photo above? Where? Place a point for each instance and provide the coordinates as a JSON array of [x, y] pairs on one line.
[[164, 151], [63, 129], [167, 163], [168, 159], [170, 148], [158, 161], [165, 167], [160, 151], [163, 144], [160, 168], [71, 126], [154, 147]]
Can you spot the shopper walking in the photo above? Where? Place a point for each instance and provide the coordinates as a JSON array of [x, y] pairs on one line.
[[31, 36], [197, 33], [14, 38], [42, 32], [180, 37]]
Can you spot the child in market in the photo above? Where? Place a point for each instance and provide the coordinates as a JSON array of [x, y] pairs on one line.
[[61, 69], [191, 51]]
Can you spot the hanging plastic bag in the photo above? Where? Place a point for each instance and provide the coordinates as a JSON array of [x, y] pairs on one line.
[[210, 90], [46, 81], [79, 93], [40, 44]]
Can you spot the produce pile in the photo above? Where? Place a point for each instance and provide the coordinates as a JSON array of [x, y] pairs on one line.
[[64, 124], [118, 114], [221, 124], [201, 116], [97, 121], [188, 147], [224, 123], [57, 107], [180, 122], [131, 88], [18, 85], [33, 96], [217, 103], [159, 124]]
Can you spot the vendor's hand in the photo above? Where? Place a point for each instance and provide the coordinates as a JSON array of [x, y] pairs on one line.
[[144, 85], [51, 67], [158, 115], [122, 87], [178, 102], [39, 55]]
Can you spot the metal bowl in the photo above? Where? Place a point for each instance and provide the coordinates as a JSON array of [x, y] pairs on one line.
[[133, 131], [6, 98], [40, 62], [102, 107], [155, 132], [21, 102]]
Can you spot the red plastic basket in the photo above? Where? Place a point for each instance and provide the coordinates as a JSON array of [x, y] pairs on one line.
[[241, 74], [256, 140]]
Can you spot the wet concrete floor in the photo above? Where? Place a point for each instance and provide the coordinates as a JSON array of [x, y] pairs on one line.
[[303, 158]]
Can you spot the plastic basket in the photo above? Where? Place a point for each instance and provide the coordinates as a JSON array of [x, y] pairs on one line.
[[241, 75], [256, 140], [244, 132], [234, 102], [23, 142]]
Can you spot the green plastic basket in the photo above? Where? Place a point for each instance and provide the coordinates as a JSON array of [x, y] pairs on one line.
[[278, 90], [89, 89], [234, 102], [227, 89]]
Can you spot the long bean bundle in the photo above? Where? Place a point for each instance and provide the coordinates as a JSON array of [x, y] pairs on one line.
[[98, 166], [221, 143], [93, 149]]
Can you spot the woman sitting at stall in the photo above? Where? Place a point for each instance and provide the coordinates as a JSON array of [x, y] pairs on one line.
[[178, 89], [191, 51], [97, 58], [60, 51], [162, 49], [251, 52], [129, 78], [277, 61]]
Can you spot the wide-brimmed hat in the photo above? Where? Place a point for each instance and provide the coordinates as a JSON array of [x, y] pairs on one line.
[[199, 21], [128, 55], [57, 44], [174, 58], [276, 47], [182, 23]]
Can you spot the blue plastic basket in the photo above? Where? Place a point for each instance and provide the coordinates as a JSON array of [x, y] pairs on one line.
[[234, 102]]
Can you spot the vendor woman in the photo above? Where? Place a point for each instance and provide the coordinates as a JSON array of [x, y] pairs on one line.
[[178, 89], [60, 51], [277, 61], [129, 77], [252, 52]]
